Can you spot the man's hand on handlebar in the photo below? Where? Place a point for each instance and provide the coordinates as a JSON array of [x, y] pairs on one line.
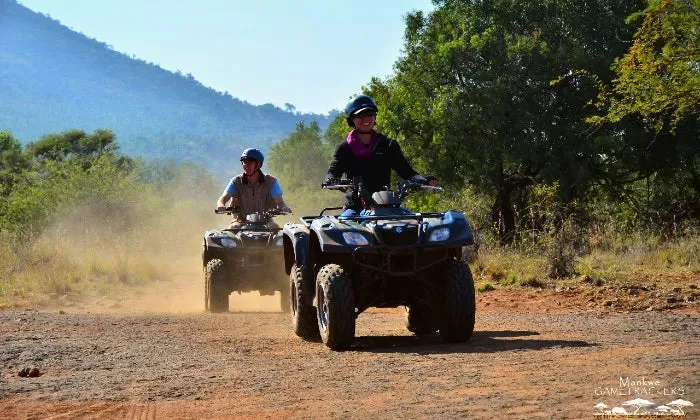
[[283, 211], [224, 210]]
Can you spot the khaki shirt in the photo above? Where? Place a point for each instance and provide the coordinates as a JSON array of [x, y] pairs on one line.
[[253, 197]]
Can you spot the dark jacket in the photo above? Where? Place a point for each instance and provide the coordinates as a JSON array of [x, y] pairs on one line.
[[375, 170]]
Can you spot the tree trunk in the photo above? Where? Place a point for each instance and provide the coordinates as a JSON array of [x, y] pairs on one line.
[[502, 214]]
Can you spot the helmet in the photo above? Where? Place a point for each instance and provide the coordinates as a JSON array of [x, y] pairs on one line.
[[358, 104], [253, 154]]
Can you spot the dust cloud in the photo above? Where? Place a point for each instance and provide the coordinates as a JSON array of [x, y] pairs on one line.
[[142, 252], [135, 257]]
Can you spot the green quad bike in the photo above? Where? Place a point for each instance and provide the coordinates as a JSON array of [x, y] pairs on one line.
[[385, 257], [228, 254]]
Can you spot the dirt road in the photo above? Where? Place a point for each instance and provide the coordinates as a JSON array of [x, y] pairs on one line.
[[530, 357]]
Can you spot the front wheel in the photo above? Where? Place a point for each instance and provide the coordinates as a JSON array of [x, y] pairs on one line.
[[459, 306], [215, 291], [303, 312], [336, 307]]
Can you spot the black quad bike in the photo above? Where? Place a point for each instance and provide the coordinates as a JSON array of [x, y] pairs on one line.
[[385, 257], [230, 256]]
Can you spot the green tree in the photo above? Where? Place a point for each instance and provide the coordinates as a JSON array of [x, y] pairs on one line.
[[300, 163], [336, 133], [60, 170], [651, 115], [60, 186], [73, 143], [301, 160], [491, 93], [659, 77], [12, 162]]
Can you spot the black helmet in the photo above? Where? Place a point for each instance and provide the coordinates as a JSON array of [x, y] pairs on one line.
[[357, 105], [253, 154]]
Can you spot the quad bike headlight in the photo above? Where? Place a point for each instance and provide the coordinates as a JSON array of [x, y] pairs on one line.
[[440, 234], [354, 238], [228, 242]]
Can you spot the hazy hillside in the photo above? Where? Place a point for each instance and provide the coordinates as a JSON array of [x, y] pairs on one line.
[[53, 79]]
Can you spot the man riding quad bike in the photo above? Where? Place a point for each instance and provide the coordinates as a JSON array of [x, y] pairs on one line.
[[244, 258], [385, 256], [248, 254]]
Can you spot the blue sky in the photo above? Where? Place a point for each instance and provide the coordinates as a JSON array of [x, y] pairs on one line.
[[313, 54]]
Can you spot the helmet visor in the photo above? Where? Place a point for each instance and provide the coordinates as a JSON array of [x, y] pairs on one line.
[[365, 111]]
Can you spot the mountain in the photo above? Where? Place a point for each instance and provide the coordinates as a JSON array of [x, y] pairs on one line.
[[54, 79]]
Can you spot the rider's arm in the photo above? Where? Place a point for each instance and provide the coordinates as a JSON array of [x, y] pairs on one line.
[[276, 193], [228, 194], [399, 162], [281, 204], [224, 199], [339, 163]]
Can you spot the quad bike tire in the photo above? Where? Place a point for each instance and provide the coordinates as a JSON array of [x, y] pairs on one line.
[[459, 306], [420, 321], [304, 321], [215, 291], [335, 307]]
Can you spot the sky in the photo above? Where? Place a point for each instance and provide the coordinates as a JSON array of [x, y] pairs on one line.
[[313, 54]]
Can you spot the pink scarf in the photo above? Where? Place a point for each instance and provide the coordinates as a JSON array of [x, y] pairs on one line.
[[359, 149]]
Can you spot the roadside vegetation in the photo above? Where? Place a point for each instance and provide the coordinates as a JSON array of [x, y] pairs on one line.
[[570, 143], [79, 220]]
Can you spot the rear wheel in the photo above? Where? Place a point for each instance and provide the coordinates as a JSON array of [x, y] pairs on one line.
[[215, 290], [336, 308], [303, 312], [459, 306], [420, 321]]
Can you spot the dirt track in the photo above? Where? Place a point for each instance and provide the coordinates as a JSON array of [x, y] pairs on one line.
[[529, 357]]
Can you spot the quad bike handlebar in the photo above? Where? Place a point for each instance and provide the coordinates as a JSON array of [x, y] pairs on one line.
[[369, 200], [226, 210], [409, 186], [343, 185], [267, 213], [404, 188]]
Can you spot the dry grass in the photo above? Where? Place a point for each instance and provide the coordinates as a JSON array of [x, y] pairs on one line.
[[640, 261], [509, 267], [84, 256], [633, 260]]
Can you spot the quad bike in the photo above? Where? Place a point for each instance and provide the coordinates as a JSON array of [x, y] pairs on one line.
[[244, 259], [385, 257]]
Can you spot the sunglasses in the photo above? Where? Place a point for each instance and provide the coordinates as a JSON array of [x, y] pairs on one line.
[[366, 114], [247, 160]]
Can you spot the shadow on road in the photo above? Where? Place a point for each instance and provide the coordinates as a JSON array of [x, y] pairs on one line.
[[481, 342]]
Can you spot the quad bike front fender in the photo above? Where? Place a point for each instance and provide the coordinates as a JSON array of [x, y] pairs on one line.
[[211, 247], [296, 246]]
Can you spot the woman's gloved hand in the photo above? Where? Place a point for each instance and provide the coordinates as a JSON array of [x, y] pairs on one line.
[[429, 180]]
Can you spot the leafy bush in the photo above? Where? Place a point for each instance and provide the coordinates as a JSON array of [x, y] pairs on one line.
[[83, 222]]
